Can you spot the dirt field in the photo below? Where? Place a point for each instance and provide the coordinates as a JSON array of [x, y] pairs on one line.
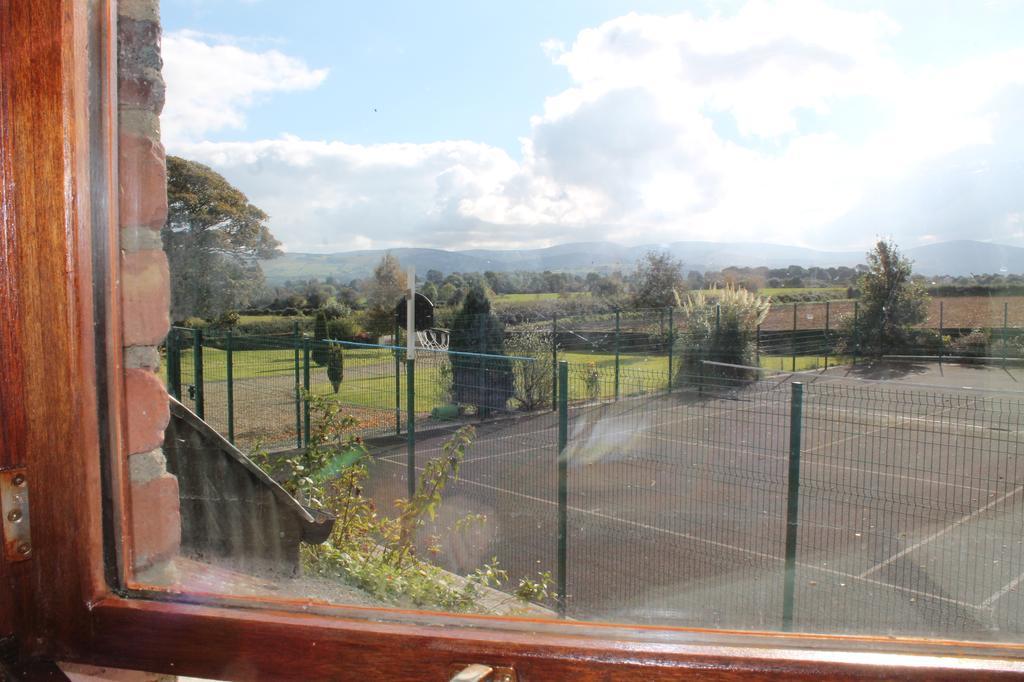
[[911, 502], [963, 312]]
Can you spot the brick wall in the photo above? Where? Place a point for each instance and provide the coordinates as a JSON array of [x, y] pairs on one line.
[[145, 284]]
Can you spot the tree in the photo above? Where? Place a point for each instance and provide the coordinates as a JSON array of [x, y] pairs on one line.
[[383, 292], [659, 280], [486, 383], [534, 380], [335, 367], [891, 303], [388, 283], [214, 239]]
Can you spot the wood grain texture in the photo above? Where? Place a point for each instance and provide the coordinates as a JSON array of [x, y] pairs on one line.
[[47, 327], [250, 644], [54, 159]]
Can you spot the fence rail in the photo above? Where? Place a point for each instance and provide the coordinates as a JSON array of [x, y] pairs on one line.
[[251, 386], [681, 490]]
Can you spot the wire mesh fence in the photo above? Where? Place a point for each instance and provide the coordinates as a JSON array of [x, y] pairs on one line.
[[685, 491], [252, 391]]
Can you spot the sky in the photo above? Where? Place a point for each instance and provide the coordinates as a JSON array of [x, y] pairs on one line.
[[526, 124]]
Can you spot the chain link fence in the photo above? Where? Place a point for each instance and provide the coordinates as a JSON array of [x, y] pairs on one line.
[[671, 492]]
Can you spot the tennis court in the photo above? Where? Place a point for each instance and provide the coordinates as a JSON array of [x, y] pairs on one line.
[[911, 503]]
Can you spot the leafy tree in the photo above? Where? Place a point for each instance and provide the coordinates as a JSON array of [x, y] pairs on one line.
[[659, 280], [486, 383], [430, 291], [214, 239], [891, 303], [384, 290]]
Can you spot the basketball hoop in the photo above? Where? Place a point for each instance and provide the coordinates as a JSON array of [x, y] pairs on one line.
[[433, 339]]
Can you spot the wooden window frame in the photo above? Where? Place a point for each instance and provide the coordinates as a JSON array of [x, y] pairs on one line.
[[60, 308]]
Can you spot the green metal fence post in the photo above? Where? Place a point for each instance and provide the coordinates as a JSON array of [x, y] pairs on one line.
[[231, 387], [174, 363], [792, 503], [197, 373], [793, 338], [305, 385], [398, 380], [410, 426], [1006, 325], [757, 346], [617, 329], [942, 342], [718, 319], [856, 331], [554, 362], [671, 343], [298, 394], [828, 314], [563, 487]]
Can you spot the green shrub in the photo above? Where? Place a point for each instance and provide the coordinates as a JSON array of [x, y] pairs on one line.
[[534, 379], [228, 319], [374, 551], [335, 367], [345, 328], [974, 344], [723, 332]]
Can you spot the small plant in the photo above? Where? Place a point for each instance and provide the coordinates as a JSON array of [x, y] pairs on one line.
[[592, 382], [535, 590], [378, 552], [335, 367], [444, 380]]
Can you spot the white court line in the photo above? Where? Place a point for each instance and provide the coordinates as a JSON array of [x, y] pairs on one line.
[[951, 425], [939, 533], [1006, 589], [814, 462], [716, 543], [737, 448], [628, 415]]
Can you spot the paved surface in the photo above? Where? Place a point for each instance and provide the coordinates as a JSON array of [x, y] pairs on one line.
[[911, 505]]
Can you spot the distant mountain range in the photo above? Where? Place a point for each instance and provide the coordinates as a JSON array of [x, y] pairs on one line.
[[956, 258]]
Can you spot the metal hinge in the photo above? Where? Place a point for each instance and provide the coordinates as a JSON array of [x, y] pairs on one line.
[[477, 672], [14, 507]]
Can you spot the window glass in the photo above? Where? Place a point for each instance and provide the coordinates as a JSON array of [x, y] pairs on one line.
[[618, 312]]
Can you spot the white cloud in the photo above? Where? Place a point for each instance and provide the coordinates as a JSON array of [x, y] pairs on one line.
[[212, 81], [788, 122], [331, 196]]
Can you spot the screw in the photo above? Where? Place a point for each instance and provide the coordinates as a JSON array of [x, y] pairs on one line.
[[18, 480], [14, 515], [24, 549]]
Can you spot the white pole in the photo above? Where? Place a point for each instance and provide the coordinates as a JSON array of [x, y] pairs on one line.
[[410, 314]]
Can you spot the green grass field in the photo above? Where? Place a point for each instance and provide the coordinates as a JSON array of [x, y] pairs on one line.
[[250, 364], [836, 293], [256, 319], [264, 382], [522, 298]]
